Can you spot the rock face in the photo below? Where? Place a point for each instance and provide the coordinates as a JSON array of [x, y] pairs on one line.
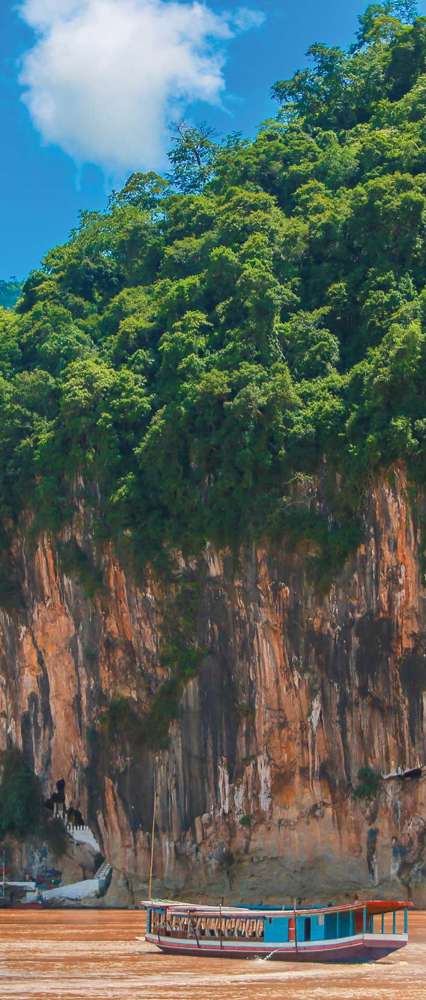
[[295, 692]]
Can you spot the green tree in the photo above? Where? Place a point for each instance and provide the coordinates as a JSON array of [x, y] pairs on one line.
[[9, 292], [191, 156], [141, 190], [21, 804]]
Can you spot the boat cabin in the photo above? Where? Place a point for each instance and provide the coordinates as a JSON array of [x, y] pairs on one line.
[[371, 926]]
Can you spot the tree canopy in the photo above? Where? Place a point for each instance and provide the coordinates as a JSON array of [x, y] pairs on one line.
[[10, 291], [214, 339]]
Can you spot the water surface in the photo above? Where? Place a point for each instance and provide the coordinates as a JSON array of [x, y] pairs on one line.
[[95, 955]]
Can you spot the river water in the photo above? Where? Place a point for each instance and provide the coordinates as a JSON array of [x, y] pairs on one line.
[[95, 955]]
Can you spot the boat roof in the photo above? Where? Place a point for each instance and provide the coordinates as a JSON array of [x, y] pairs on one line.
[[240, 912]]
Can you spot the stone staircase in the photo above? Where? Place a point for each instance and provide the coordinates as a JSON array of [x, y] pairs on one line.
[[83, 835]]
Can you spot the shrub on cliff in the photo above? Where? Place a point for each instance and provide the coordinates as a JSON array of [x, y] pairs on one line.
[[22, 812], [368, 785], [77, 563], [21, 803]]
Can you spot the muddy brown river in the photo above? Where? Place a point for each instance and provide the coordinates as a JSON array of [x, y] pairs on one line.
[[95, 955]]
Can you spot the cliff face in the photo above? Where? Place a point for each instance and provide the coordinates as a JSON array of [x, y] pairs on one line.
[[295, 692]]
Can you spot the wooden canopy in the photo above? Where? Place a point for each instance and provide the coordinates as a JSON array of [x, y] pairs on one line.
[[373, 906]]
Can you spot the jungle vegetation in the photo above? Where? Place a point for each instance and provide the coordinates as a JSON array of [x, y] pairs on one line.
[[10, 291], [218, 337], [22, 810]]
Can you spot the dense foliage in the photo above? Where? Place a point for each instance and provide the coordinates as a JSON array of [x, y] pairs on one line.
[[9, 292], [22, 812], [369, 782], [21, 803], [211, 341]]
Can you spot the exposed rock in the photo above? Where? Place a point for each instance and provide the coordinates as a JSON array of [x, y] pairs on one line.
[[296, 691]]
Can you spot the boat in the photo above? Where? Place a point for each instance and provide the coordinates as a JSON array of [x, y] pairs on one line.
[[354, 932]]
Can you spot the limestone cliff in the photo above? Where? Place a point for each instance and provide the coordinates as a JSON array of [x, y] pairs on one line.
[[295, 691]]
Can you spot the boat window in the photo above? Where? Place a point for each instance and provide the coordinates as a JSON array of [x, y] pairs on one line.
[[307, 928], [194, 926]]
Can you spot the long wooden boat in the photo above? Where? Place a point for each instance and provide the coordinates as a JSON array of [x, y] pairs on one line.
[[356, 932]]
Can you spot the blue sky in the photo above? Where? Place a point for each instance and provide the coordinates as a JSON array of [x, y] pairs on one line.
[[88, 121]]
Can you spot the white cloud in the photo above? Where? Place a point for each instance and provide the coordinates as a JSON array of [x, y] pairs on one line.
[[105, 76]]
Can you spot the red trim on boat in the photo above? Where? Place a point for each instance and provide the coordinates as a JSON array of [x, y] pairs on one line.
[[373, 906], [368, 947]]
